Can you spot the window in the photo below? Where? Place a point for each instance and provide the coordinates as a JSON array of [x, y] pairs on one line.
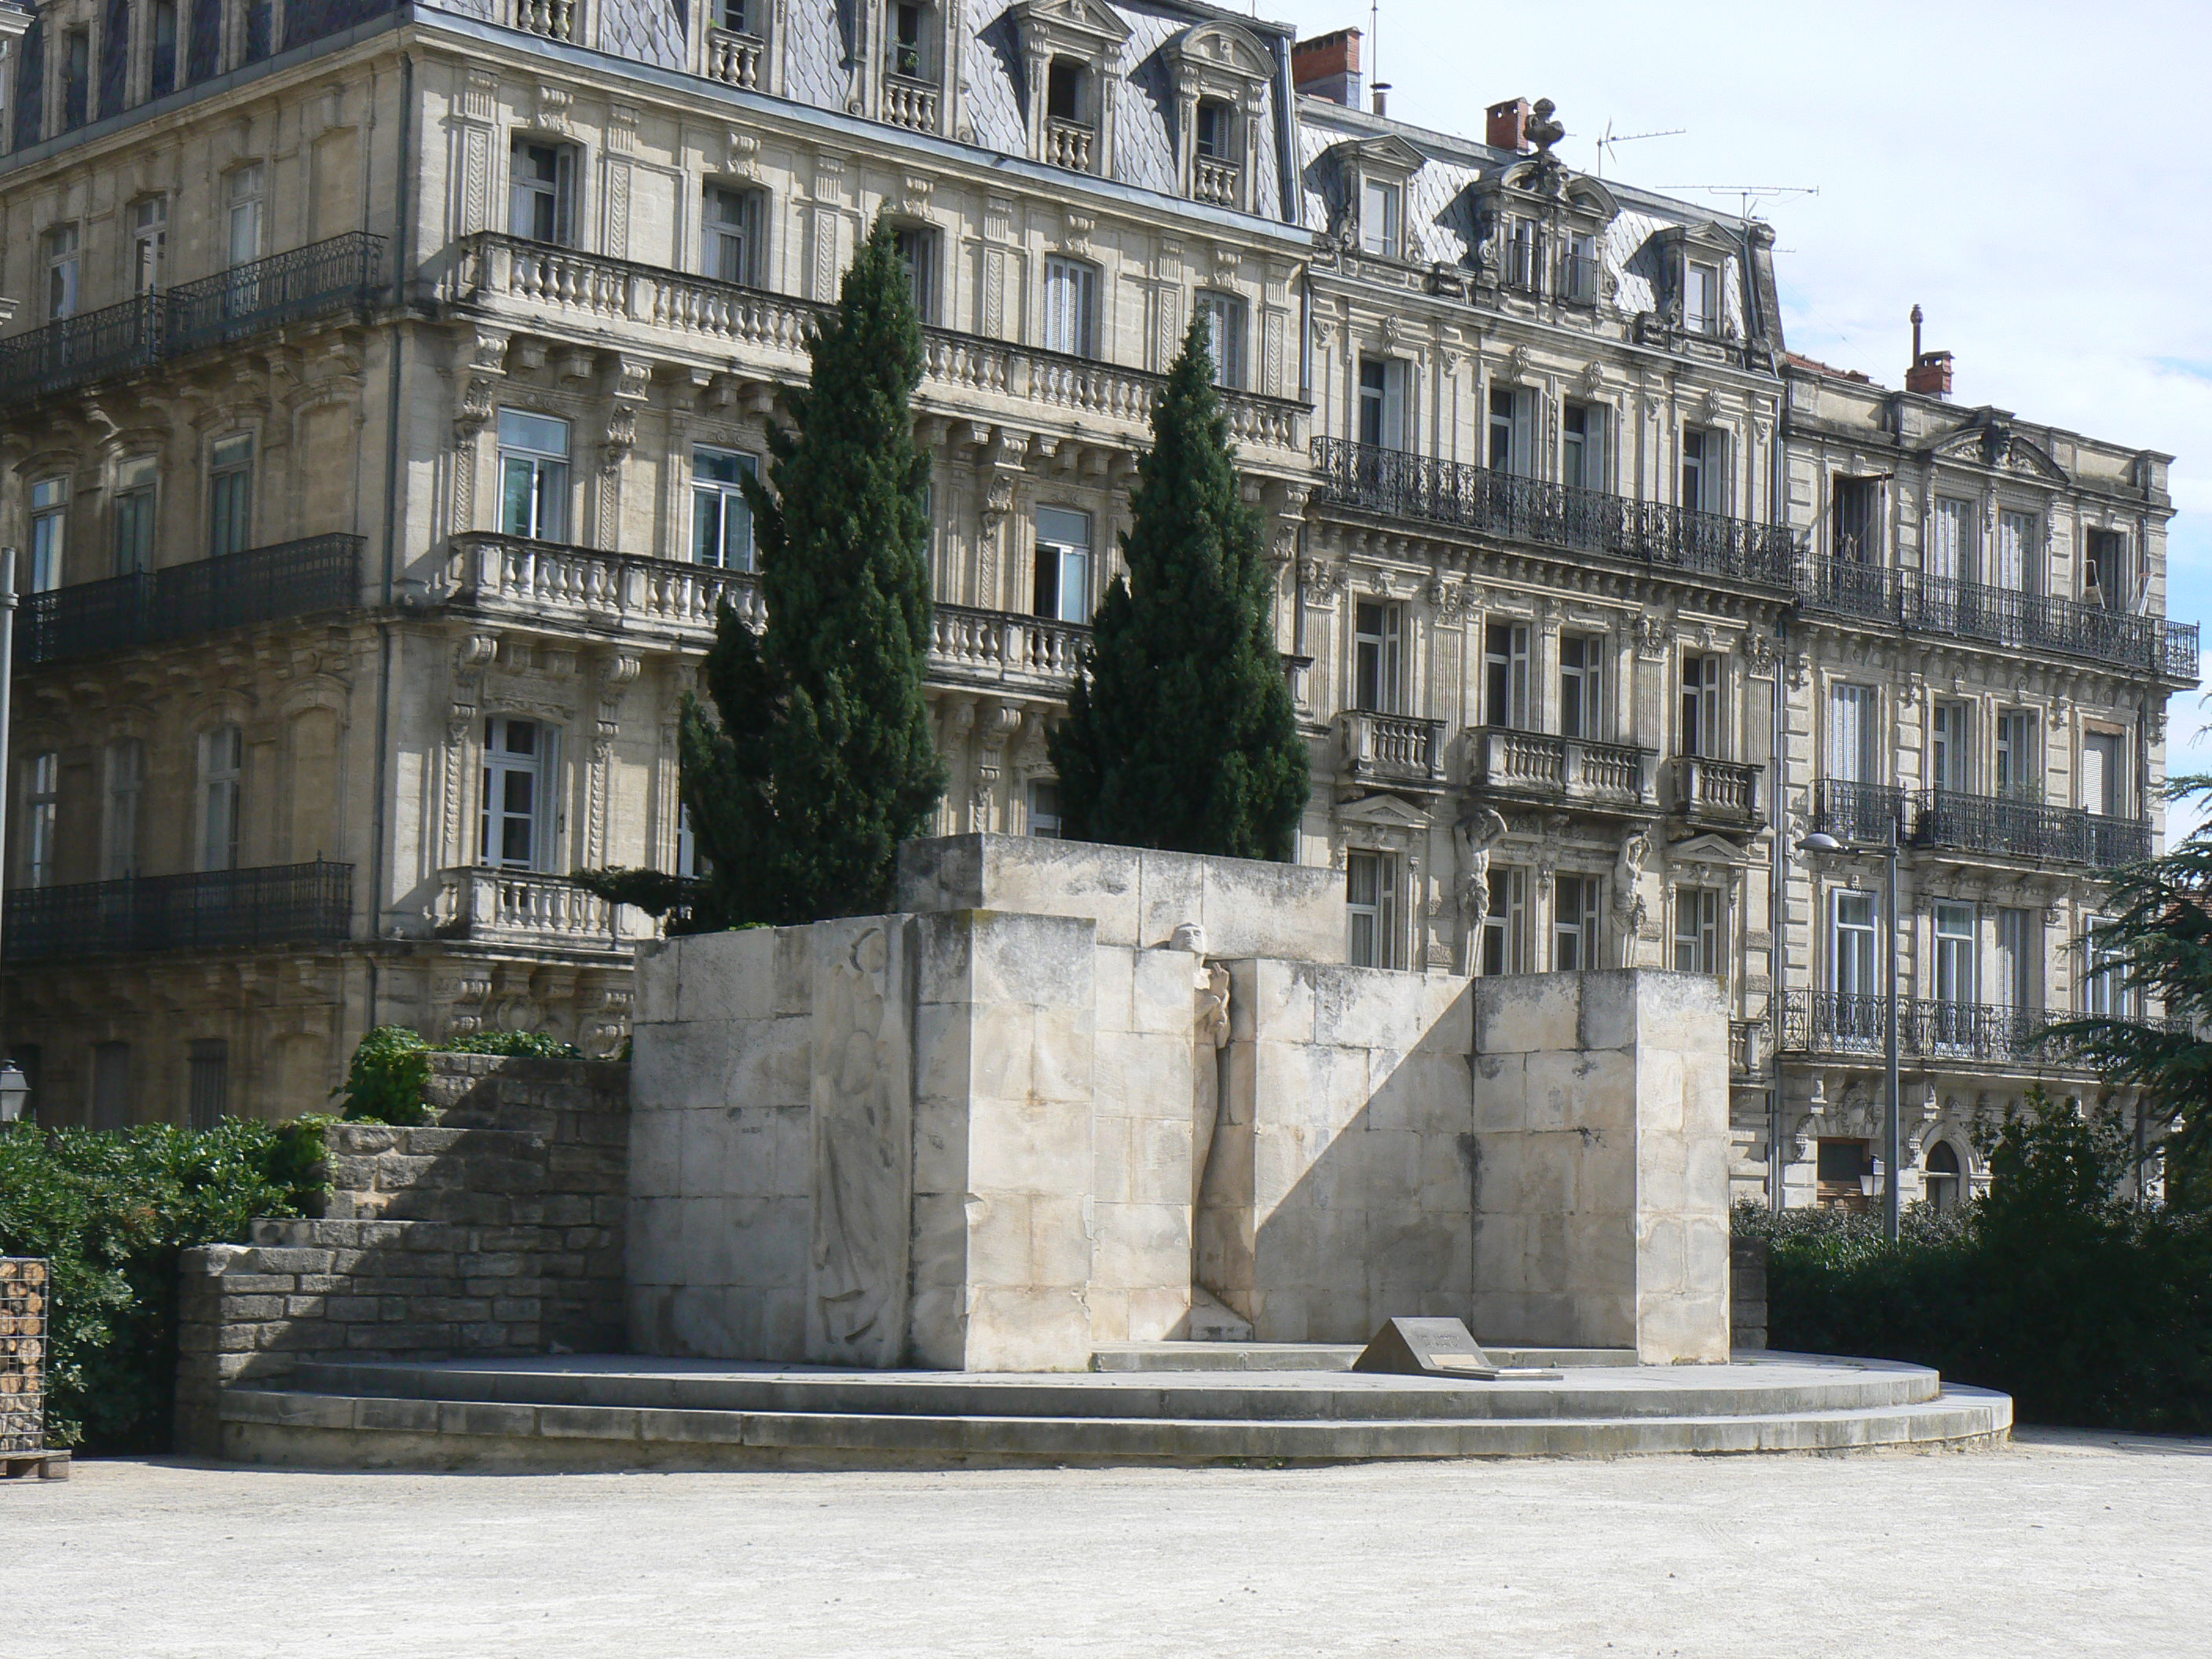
[[1705, 470], [1378, 635], [1216, 130], [134, 515], [1582, 447], [1852, 951], [243, 220], [2020, 955], [736, 17], [909, 46], [1697, 930], [1382, 403], [61, 267], [1858, 520], [1061, 586], [916, 245], [1852, 756], [149, 233], [1064, 89], [1379, 212], [1582, 687], [688, 863], [1957, 974], [119, 825], [2020, 553], [721, 518], [76, 78], [111, 1085], [1578, 271], [1951, 554], [1520, 262], [540, 195], [1044, 809], [230, 495], [533, 473], [2019, 756], [1071, 307], [1574, 924], [1701, 732], [208, 1072], [49, 531], [2104, 569], [2105, 989], [1939, 1176], [1371, 895], [2102, 791], [732, 251], [1948, 747], [516, 765], [161, 73], [1222, 316], [222, 779], [42, 786], [1506, 675], [1505, 928], [1701, 298], [1510, 439], [1841, 1170]]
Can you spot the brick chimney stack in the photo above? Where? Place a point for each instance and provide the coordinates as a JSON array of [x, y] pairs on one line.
[[1508, 127], [1930, 374], [1327, 66]]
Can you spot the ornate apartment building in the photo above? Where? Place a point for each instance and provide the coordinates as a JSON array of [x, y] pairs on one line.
[[378, 383]]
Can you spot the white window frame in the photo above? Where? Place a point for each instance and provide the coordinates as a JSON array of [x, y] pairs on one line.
[[1698, 913], [1378, 655], [721, 518], [1370, 898], [1705, 469], [62, 248], [2019, 755], [1042, 801], [1702, 303], [496, 811], [1950, 746], [1854, 750], [1506, 675], [1582, 687], [1071, 307], [1224, 316], [42, 794], [1382, 218], [732, 249], [2114, 747], [1060, 580], [2018, 962], [221, 794], [1957, 953], [50, 509], [1854, 963], [230, 494], [1582, 453], [149, 242], [543, 474], [1504, 942], [910, 56], [245, 199], [1509, 439], [1575, 911], [1703, 705], [1380, 402], [1954, 526], [536, 204], [2018, 566]]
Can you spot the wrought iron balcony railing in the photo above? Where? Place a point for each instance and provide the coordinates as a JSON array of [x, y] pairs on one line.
[[316, 281], [1537, 766], [1392, 748], [1864, 812], [1998, 616], [1718, 791], [1931, 1030], [1947, 820], [1547, 514], [277, 904], [190, 601]]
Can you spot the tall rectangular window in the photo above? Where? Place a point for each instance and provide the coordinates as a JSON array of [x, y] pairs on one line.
[[1370, 894], [1951, 540], [1215, 137], [63, 265], [1064, 90], [1382, 403], [230, 495], [1957, 973], [2020, 553], [1701, 733], [1582, 447], [909, 42], [541, 192], [736, 17], [208, 1082], [42, 794], [1950, 750], [1701, 298], [1697, 930], [516, 772], [49, 532], [149, 242], [1381, 233], [1853, 756], [733, 250], [1222, 316], [2103, 785], [1705, 470], [1582, 687], [533, 476], [134, 515], [2020, 755], [1857, 514], [118, 825], [1851, 944], [1379, 656], [721, 518], [243, 213], [916, 247], [162, 71], [2105, 989], [2019, 957], [1578, 270], [1574, 924], [1520, 262], [1509, 436], [1071, 307], [1505, 927], [1506, 675], [1061, 588], [2105, 575], [1044, 809], [223, 783], [76, 78]]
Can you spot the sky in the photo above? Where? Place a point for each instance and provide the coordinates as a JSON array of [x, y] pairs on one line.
[[2038, 178]]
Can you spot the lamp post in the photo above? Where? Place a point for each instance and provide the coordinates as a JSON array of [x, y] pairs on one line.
[[1821, 842], [11, 1103]]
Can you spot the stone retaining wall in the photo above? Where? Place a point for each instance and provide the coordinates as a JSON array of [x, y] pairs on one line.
[[497, 1230], [22, 1353], [1746, 1292]]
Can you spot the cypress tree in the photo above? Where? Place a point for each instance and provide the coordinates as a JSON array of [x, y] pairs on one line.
[[1180, 731], [818, 759]]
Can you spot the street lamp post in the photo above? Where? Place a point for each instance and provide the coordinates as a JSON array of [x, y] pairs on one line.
[[1821, 842]]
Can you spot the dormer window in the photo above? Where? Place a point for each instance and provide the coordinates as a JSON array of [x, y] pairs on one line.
[[736, 44], [1520, 263], [1071, 50], [1215, 123], [1381, 219], [1701, 298], [1222, 75], [909, 44], [1070, 133], [1578, 270], [1064, 90]]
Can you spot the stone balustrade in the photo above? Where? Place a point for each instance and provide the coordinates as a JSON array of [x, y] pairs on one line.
[[556, 19], [911, 103], [1070, 144], [1536, 765], [1218, 182], [1392, 749], [521, 907], [734, 59], [1724, 792]]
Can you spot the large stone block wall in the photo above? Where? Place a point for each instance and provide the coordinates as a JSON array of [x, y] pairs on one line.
[[23, 1311]]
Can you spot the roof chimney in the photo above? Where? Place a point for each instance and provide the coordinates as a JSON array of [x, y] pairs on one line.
[[1327, 66], [1508, 127], [1930, 374]]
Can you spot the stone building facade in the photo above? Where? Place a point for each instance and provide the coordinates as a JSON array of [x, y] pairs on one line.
[[377, 383]]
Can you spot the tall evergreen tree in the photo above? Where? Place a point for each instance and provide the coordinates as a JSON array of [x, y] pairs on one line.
[[818, 758], [1180, 731]]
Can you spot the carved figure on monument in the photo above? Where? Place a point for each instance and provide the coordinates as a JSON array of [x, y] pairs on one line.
[[1474, 838], [1628, 906]]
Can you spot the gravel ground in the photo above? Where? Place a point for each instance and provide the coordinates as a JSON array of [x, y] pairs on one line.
[[2063, 1544]]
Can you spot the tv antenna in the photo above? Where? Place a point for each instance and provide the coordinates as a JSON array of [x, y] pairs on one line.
[[1608, 139], [1746, 194]]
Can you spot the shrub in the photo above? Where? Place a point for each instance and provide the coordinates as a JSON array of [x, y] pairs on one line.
[[112, 1209], [391, 1067]]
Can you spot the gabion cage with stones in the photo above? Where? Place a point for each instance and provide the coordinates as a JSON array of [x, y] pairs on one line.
[[22, 1353]]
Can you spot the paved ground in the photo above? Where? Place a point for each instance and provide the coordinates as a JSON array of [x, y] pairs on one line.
[[2073, 1545]]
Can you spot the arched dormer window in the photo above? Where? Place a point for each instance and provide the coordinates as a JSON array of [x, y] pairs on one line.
[[1221, 74], [1072, 57], [1541, 232], [913, 64]]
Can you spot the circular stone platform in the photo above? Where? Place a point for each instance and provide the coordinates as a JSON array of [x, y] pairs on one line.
[[588, 1411]]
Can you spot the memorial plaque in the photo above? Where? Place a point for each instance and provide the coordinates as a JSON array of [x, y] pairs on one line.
[[1435, 1347]]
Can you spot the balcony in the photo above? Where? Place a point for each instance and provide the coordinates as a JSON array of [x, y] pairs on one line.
[[556, 19], [1218, 182], [1534, 510], [1718, 793], [1392, 750], [734, 59], [280, 904], [909, 103], [1999, 617], [515, 907], [1864, 812], [1005, 648], [535, 284], [190, 601], [320, 280], [1928, 1030], [1534, 767], [1984, 826], [1069, 144]]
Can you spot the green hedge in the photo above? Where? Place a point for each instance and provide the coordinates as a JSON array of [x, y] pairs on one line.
[[112, 1209], [392, 1067], [2088, 1312]]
